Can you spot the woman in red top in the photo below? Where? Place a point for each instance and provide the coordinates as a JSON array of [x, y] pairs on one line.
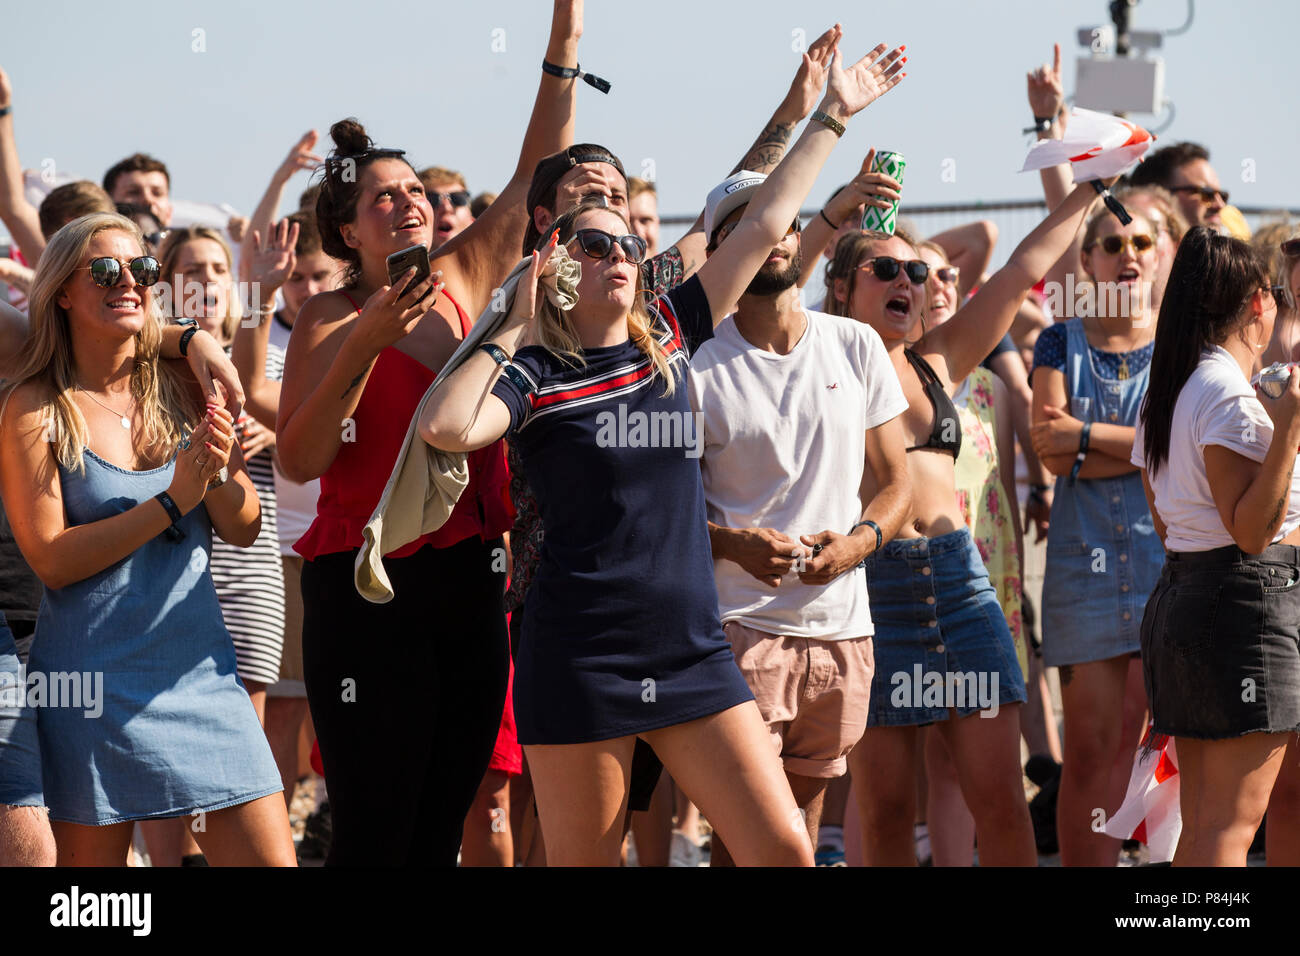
[[405, 696]]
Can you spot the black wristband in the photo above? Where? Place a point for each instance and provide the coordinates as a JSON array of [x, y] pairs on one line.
[[508, 369], [826, 218], [174, 531], [568, 73], [1041, 124], [873, 526], [1113, 204], [188, 334], [1084, 437], [6, 110]]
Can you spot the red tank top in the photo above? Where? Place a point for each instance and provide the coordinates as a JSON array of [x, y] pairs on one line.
[[354, 483]]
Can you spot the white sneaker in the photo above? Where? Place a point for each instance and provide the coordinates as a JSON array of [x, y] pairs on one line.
[[685, 851]]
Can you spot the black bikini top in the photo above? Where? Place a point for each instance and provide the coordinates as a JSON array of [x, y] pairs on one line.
[[946, 422]]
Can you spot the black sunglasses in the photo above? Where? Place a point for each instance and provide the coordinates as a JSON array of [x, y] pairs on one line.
[[1206, 193], [598, 244], [458, 199], [106, 271], [886, 269], [948, 274]]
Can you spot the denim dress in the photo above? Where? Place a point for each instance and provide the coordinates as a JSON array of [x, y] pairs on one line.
[[1103, 553], [150, 719]]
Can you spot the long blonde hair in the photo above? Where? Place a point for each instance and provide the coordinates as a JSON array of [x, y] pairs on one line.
[[167, 412], [171, 251], [555, 331]]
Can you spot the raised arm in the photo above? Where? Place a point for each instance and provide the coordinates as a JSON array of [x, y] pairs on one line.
[[268, 265], [18, 215], [477, 260], [847, 205], [675, 265], [300, 157], [776, 203], [965, 339], [1047, 99]]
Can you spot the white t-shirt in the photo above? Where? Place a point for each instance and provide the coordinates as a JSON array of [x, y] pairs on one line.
[[784, 440], [1217, 406], [295, 504]]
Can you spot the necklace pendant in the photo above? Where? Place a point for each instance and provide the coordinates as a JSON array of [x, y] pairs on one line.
[[1123, 369], [126, 422]]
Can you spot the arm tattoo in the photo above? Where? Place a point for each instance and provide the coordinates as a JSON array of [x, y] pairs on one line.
[[351, 385], [768, 149], [664, 272], [1276, 520]]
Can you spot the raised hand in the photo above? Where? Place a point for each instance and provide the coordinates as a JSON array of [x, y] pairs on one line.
[[300, 157], [853, 90], [1046, 91], [865, 189], [270, 265], [6, 90], [810, 78]]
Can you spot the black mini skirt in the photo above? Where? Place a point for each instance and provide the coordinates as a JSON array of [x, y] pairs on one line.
[[1221, 643]]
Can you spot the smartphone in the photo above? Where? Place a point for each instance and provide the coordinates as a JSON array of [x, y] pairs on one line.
[[399, 262]]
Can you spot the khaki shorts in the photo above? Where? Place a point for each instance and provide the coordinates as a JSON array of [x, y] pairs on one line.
[[813, 694], [291, 682]]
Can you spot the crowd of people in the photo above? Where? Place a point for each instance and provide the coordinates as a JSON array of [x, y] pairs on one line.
[[674, 546]]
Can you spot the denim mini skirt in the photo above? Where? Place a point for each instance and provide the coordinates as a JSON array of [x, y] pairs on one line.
[[20, 748], [941, 640], [1221, 643]]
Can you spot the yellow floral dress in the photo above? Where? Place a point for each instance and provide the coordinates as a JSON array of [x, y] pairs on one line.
[[983, 503]]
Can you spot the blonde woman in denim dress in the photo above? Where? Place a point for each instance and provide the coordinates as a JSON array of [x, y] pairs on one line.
[[1103, 554]]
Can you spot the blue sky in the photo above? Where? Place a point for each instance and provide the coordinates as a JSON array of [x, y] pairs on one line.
[[693, 82]]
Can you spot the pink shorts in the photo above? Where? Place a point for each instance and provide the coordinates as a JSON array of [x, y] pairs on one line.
[[812, 694]]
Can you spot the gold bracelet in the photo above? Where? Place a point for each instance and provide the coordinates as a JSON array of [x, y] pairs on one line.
[[830, 122]]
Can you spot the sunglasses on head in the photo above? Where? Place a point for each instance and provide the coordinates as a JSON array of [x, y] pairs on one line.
[[106, 271], [598, 244], [458, 199], [1207, 194], [885, 268], [1113, 245]]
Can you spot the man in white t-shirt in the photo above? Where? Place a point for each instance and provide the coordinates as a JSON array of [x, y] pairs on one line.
[[800, 417]]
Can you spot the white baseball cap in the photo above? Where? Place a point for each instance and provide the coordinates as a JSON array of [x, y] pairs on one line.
[[728, 196]]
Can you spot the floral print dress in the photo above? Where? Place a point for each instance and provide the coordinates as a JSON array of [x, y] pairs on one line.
[[983, 503]]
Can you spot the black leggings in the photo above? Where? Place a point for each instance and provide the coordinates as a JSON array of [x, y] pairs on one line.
[[406, 698]]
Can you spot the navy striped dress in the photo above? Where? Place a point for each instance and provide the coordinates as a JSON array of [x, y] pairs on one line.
[[620, 627]]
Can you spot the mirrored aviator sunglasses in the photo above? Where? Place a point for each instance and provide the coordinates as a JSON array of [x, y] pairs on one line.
[[1112, 245], [598, 244], [106, 272], [885, 268]]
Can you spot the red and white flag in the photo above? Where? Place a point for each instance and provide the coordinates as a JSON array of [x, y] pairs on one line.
[[1150, 812]]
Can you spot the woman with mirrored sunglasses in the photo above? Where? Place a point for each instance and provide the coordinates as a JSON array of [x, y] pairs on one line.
[[622, 616], [114, 478], [1103, 555], [958, 627]]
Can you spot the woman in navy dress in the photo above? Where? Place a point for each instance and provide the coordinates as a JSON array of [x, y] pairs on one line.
[[621, 637]]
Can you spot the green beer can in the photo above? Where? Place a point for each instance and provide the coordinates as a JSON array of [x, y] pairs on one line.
[[884, 220]]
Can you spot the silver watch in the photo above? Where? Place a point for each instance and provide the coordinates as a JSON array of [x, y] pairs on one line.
[[219, 479]]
